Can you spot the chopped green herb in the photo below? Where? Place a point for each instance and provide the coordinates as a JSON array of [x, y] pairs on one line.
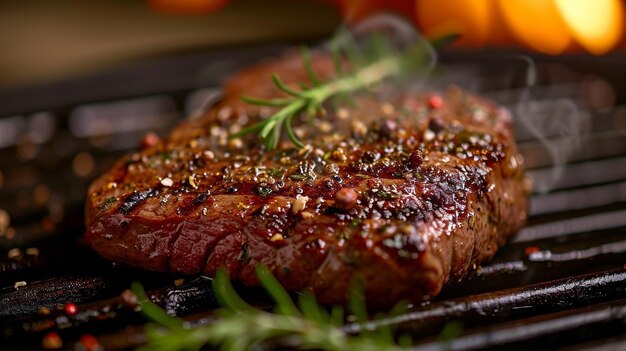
[[449, 332], [356, 222], [343, 236], [385, 195], [167, 155], [298, 176], [264, 190], [327, 155], [108, 202], [275, 172]]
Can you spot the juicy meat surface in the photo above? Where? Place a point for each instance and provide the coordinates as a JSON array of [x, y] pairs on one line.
[[403, 191]]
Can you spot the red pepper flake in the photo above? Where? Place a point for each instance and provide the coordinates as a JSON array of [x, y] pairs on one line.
[[435, 101], [149, 140], [531, 249], [129, 299], [346, 198], [90, 343], [52, 341], [71, 309]]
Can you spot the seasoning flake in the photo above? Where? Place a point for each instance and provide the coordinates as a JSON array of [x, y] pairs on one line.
[[300, 203], [168, 182], [276, 237]]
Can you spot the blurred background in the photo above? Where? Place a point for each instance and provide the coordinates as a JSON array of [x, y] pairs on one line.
[[43, 41]]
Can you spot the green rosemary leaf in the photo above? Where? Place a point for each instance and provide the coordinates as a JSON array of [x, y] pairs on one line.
[[253, 128], [292, 136], [357, 302], [381, 46], [314, 109], [337, 315], [276, 136], [227, 296], [311, 310], [405, 340], [270, 125], [308, 65], [266, 102], [284, 303], [351, 48], [154, 312], [450, 331], [384, 332], [399, 309], [445, 40], [282, 86], [337, 61], [419, 57], [271, 141]]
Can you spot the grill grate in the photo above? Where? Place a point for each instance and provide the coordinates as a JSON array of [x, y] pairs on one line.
[[559, 283]]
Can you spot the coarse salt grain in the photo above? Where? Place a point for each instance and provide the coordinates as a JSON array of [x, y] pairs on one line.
[[300, 203], [167, 182], [429, 135]]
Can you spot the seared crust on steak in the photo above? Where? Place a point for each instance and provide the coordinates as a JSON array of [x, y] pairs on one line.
[[397, 191]]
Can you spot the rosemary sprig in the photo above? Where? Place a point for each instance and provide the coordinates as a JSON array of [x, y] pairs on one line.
[[369, 64], [241, 326]]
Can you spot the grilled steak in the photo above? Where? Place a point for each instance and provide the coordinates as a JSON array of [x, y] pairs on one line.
[[404, 191]]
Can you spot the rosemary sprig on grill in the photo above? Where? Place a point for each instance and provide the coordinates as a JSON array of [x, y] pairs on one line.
[[369, 64], [241, 326]]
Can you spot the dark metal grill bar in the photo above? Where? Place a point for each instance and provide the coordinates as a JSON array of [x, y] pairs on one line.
[[584, 198], [509, 304], [601, 145], [605, 344], [582, 174], [604, 249], [597, 221], [570, 256], [545, 331]]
